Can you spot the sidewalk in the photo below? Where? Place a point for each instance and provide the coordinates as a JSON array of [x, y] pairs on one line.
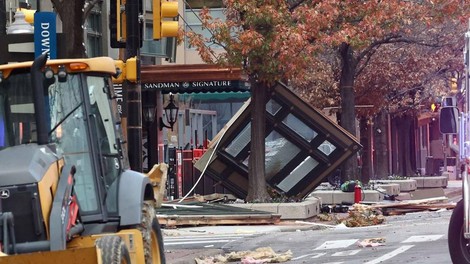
[[454, 190]]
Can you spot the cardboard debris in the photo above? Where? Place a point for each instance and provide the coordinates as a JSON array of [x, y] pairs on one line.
[[372, 242], [219, 259], [259, 255], [363, 215]]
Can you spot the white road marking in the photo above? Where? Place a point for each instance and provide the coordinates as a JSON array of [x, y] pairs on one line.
[[336, 244], [314, 255], [390, 255], [210, 240], [196, 242], [417, 239], [202, 237], [346, 253]]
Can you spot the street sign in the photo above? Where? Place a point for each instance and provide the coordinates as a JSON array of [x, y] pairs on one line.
[[45, 36]]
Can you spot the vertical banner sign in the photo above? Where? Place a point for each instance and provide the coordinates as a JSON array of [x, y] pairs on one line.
[[179, 173], [121, 104], [45, 35]]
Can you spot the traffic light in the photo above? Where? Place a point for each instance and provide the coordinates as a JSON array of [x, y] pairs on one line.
[[435, 107], [117, 24], [131, 69], [121, 68], [163, 11], [126, 70]]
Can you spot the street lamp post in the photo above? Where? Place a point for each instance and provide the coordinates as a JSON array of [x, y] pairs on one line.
[[20, 26], [171, 114], [149, 113]]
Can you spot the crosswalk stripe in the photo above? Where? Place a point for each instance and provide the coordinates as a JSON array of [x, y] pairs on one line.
[[196, 242], [425, 238], [390, 255], [346, 253], [336, 244], [313, 255], [200, 238], [188, 240]]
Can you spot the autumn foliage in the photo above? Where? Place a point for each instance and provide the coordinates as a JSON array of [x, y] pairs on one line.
[[342, 53]]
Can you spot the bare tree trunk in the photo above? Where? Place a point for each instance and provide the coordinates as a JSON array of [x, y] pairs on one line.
[[256, 169], [365, 170], [404, 147], [71, 14], [380, 146], [348, 116]]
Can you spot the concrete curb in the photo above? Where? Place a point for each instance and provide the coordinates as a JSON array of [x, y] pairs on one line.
[[405, 185], [288, 211], [430, 181], [340, 197]]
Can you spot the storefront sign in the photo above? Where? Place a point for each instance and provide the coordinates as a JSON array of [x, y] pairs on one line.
[[195, 86]]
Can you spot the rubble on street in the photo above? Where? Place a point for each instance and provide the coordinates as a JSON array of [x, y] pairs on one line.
[[257, 256]]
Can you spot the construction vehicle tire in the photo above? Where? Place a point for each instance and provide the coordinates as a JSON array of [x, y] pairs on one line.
[[458, 245], [113, 250], [152, 235]]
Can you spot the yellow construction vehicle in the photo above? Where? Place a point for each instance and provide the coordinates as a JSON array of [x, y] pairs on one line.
[[67, 194]]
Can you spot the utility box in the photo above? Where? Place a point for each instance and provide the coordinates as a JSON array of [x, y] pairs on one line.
[[452, 172]]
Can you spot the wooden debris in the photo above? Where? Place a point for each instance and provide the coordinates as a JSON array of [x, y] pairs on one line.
[[194, 220], [411, 206], [410, 202]]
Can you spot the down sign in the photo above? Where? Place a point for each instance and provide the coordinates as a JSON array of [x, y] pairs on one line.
[[45, 37]]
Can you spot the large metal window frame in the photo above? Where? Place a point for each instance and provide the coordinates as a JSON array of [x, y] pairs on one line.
[[230, 168]]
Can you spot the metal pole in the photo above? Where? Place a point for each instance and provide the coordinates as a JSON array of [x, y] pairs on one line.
[[465, 136], [134, 92], [3, 18]]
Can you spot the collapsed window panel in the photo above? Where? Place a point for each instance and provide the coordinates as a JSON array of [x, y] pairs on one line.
[[302, 147], [240, 142], [298, 174], [300, 127], [276, 149]]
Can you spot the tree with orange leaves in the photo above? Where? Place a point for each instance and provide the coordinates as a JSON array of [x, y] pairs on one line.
[[288, 40]]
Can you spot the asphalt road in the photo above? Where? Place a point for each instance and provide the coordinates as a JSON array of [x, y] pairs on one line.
[[411, 238]]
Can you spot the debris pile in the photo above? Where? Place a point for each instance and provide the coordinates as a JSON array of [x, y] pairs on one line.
[[367, 215], [258, 256], [357, 215], [363, 215]]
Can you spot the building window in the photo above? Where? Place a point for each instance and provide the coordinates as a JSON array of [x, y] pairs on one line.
[[94, 37], [193, 23], [198, 4], [148, 5]]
